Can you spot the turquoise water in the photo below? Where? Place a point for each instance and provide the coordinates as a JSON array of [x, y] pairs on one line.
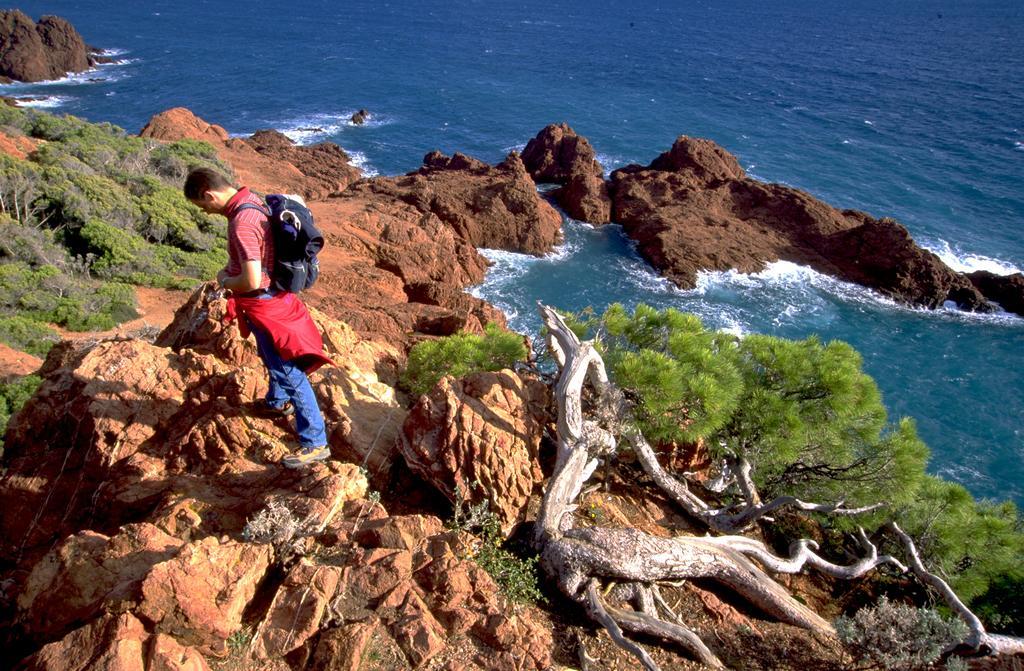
[[912, 110]]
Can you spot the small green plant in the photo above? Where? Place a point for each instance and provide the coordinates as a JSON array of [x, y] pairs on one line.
[[461, 354], [517, 577], [898, 636], [238, 642]]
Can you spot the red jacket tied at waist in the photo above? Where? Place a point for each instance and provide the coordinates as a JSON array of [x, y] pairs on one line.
[[286, 319]]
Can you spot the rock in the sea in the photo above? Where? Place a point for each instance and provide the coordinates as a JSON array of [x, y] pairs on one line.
[[1007, 290], [559, 156], [481, 436], [34, 52], [693, 208], [360, 117]]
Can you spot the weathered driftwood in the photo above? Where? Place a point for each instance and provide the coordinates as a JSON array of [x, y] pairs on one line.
[[632, 563]]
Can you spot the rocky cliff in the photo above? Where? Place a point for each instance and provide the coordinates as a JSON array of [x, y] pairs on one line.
[[147, 524], [694, 209], [35, 52]]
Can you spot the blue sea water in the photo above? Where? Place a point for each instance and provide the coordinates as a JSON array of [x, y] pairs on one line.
[[913, 110]]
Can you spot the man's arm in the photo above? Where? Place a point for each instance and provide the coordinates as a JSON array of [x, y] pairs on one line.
[[249, 279]]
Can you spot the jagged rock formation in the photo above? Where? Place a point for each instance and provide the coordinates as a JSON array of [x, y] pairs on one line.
[[268, 160], [399, 250], [35, 52], [325, 163], [123, 534], [495, 207], [478, 439], [1007, 290], [559, 156], [693, 208], [360, 117]]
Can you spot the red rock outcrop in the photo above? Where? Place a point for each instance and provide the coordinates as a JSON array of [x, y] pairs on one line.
[[180, 123], [488, 206], [480, 436], [1007, 290], [694, 209], [35, 52], [559, 156], [268, 161], [325, 164], [13, 362]]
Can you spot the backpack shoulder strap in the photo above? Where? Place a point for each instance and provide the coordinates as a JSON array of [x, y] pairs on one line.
[[253, 206]]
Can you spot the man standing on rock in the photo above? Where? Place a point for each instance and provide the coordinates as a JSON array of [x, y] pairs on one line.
[[286, 337]]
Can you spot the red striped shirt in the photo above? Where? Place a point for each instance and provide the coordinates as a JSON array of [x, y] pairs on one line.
[[249, 235]]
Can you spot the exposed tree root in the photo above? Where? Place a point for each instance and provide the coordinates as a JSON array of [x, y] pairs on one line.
[[582, 560]]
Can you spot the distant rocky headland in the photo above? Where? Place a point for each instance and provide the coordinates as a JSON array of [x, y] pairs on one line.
[[49, 49]]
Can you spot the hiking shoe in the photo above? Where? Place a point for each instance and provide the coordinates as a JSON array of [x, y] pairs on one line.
[[263, 409], [306, 456]]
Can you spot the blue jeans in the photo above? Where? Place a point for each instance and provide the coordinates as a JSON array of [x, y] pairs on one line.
[[288, 382]]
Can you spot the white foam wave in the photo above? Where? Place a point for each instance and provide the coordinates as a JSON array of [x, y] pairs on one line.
[[869, 123], [312, 128], [1018, 145], [359, 160], [966, 262], [798, 289], [112, 52], [47, 102], [610, 162]]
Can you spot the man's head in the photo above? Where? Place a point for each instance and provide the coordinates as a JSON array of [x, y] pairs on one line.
[[209, 190]]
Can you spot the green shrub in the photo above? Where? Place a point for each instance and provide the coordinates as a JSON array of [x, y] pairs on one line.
[[896, 636], [517, 576], [172, 219], [47, 295], [803, 413], [27, 335], [461, 354], [13, 395]]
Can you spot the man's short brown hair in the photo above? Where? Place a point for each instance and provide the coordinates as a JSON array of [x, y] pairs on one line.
[[202, 180]]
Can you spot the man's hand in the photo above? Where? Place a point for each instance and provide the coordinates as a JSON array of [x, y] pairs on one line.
[[222, 277], [248, 280]]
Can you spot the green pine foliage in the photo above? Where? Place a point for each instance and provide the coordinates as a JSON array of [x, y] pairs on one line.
[[812, 424], [976, 545], [92, 210], [802, 412], [13, 394], [459, 355]]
